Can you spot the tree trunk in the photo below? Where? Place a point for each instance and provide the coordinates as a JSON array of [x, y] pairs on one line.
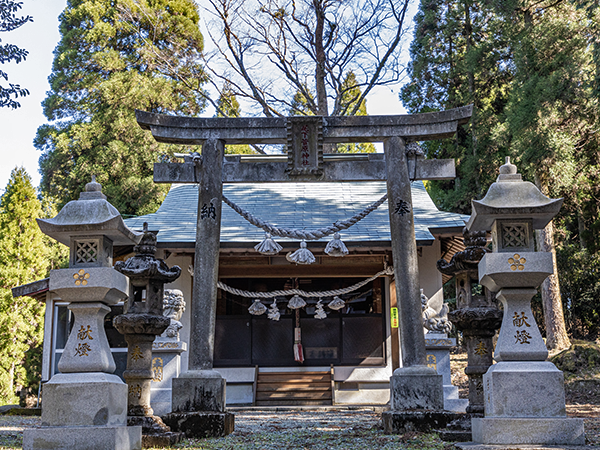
[[471, 77], [556, 332], [320, 57]]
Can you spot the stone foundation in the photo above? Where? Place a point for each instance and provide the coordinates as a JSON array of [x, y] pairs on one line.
[[541, 431], [399, 422], [83, 438], [416, 388], [201, 424]]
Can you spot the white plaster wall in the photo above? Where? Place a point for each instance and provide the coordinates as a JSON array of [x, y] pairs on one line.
[[363, 394], [239, 394], [429, 277]]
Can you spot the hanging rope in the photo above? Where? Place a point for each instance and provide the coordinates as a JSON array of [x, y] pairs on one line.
[[387, 271], [309, 235]]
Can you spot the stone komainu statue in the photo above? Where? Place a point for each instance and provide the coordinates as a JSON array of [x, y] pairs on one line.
[[434, 321], [173, 307]]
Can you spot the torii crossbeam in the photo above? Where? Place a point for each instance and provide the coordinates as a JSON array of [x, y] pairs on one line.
[[304, 137]]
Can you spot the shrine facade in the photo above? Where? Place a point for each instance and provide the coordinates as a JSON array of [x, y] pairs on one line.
[[356, 341], [359, 340]]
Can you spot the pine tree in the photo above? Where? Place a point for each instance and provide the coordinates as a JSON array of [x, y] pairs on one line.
[[115, 57], [24, 257]]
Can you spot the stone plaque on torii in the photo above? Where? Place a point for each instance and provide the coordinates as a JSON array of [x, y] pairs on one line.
[[304, 137]]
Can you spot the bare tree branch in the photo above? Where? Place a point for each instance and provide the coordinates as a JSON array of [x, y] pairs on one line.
[[278, 49]]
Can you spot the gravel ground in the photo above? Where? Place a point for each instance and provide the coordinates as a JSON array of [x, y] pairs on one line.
[[310, 429], [315, 430]]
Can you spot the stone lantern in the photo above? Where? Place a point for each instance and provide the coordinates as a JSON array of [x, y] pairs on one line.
[[523, 393], [476, 313], [85, 405], [142, 322]]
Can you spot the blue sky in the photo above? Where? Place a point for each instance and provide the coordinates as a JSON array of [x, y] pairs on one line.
[[40, 37], [18, 127]]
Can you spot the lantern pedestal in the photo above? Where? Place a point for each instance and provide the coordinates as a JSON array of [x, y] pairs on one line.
[[523, 394], [199, 405]]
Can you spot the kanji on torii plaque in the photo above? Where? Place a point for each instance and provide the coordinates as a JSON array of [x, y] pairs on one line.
[[305, 161]]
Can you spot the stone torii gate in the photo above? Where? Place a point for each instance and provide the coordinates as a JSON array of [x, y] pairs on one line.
[[199, 392]]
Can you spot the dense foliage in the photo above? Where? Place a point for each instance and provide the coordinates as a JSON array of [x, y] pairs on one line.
[[25, 256], [11, 53], [115, 57], [531, 69]]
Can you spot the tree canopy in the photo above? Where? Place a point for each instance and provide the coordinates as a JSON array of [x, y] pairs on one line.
[[26, 255], [11, 53], [115, 57], [531, 70], [296, 57]]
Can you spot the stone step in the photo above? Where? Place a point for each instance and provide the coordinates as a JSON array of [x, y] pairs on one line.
[[294, 377], [308, 395], [293, 387], [279, 402]]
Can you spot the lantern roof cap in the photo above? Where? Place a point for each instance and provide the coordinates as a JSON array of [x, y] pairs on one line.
[[512, 198], [90, 215]]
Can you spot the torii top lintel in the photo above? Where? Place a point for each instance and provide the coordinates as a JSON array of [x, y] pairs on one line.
[[273, 130], [304, 137]]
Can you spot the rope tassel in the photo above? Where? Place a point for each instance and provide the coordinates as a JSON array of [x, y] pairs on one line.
[[319, 311], [296, 302], [336, 304], [268, 246], [336, 247], [257, 308], [274, 313], [301, 256]]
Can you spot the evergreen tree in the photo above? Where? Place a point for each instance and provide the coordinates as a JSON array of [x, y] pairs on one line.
[[10, 52], [24, 257], [228, 106], [351, 96], [552, 119], [530, 68], [115, 57], [460, 56]]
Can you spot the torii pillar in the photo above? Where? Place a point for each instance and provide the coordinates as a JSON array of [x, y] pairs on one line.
[[199, 393]]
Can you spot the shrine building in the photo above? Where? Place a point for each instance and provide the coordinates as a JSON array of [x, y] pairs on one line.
[[348, 356], [357, 342]]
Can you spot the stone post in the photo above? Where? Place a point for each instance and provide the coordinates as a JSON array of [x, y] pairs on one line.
[[523, 393], [476, 315], [414, 385], [142, 322], [166, 353], [198, 395], [85, 405]]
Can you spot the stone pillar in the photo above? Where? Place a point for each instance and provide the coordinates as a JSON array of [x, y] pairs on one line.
[[523, 393], [198, 395], [166, 353], [414, 385], [476, 314], [85, 405], [142, 322], [206, 259]]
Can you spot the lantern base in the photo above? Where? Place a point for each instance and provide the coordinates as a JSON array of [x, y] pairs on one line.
[[520, 431], [83, 438]]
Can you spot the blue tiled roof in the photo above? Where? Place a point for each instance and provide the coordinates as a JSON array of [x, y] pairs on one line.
[[294, 205]]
